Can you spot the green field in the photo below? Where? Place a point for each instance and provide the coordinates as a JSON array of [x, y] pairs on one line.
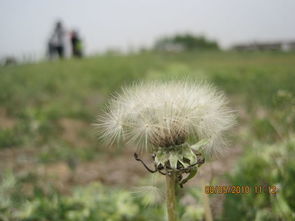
[[53, 167]]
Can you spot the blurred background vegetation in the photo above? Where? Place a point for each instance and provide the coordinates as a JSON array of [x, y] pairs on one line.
[[53, 167]]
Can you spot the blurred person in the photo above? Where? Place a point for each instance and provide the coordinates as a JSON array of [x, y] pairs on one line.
[[56, 43], [76, 44]]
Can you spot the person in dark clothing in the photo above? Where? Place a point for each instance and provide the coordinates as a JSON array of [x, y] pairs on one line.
[[76, 43]]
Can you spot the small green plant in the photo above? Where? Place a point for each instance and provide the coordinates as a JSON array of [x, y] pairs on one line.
[[9, 138], [269, 166], [164, 119], [88, 202]]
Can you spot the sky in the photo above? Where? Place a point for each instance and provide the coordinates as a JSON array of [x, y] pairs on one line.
[[25, 25]]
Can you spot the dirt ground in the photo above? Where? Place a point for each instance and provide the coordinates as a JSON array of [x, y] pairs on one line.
[[115, 167], [111, 169]]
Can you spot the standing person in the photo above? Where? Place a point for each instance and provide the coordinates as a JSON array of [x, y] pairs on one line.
[[76, 43], [57, 39]]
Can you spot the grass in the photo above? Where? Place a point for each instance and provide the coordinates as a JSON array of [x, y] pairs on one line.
[[37, 96], [46, 109]]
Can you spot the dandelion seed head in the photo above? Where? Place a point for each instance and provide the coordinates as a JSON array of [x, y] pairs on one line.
[[168, 114]]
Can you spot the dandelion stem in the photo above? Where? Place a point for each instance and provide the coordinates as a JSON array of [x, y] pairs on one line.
[[171, 196]]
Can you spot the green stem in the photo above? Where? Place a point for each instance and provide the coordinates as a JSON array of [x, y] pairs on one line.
[[171, 197]]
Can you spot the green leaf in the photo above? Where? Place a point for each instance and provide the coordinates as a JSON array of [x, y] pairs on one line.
[[161, 158], [193, 172], [200, 144], [183, 163], [189, 154], [173, 158], [282, 207]]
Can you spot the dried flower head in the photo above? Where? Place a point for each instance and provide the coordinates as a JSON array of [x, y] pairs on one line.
[[167, 114]]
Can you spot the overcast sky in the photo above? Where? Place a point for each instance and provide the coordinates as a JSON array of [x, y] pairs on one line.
[[26, 24]]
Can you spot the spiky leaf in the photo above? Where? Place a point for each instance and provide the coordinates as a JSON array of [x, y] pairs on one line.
[[173, 159], [200, 144], [189, 154], [161, 157]]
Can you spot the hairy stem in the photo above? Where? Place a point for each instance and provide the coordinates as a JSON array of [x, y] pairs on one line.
[[171, 196]]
